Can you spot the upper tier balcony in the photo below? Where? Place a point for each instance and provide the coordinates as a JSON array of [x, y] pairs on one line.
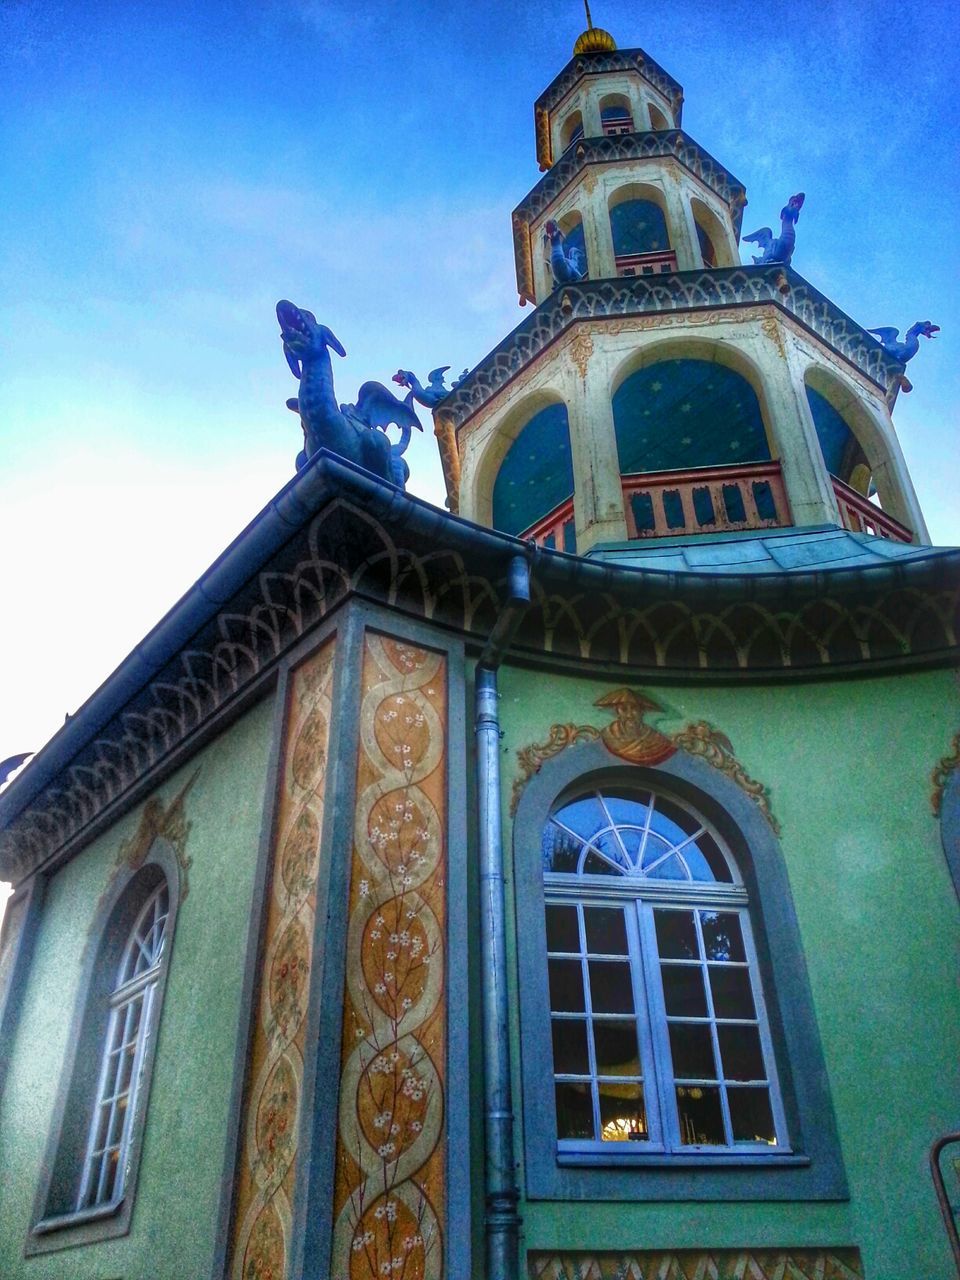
[[706, 500]]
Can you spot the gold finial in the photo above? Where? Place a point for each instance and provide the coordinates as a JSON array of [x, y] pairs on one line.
[[593, 40]]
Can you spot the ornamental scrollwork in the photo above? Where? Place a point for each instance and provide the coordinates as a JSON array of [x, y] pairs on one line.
[[942, 772], [630, 738]]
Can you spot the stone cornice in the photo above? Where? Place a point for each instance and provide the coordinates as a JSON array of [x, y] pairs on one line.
[[664, 296], [358, 536], [673, 143]]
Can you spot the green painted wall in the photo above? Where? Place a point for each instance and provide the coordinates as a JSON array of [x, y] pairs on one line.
[[175, 1214], [848, 764]]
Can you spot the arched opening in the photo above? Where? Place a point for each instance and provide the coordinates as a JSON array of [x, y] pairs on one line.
[[859, 464], [574, 248], [616, 116], [711, 236], [658, 120], [693, 451], [641, 243], [533, 490], [571, 130]]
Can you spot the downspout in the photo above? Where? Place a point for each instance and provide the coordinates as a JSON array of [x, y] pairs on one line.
[[502, 1221]]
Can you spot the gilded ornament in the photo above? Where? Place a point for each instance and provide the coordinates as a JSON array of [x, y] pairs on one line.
[[581, 349], [161, 822], [771, 329], [630, 738]]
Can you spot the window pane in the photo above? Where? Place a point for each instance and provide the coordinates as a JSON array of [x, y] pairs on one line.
[[669, 869], [616, 1048], [622, 1114], [629, 811], [585, 816], [560, 851], [721, 935], [715, 859], [570, 1056], [683, 991], [673, 822], [595, 866], [611, 989], [606, 930], [566, 986], [574, 1111], [740, 1052], [701, 1119], [563, 933], [676, 935], [750, 1115], [692, 1049], [732, 997], [608, 844]]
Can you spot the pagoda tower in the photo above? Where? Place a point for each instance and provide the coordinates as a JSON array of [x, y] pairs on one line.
[[663, 390]]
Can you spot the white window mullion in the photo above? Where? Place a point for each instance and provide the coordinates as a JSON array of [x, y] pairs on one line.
[[662, 1060], [714, 1034]]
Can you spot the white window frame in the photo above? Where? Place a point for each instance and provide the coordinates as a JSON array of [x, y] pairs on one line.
[[655, 1058], [137, 976]]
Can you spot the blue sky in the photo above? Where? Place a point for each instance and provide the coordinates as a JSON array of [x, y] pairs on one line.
[[170, 170]]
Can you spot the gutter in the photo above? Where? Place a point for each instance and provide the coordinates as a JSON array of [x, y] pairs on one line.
[[501, 1192]]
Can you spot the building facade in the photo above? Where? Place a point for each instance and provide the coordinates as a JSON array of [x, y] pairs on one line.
[[562, 885]]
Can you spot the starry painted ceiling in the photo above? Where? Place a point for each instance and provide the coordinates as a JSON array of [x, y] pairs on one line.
[[638, 226], [537, 473], [679, 414]]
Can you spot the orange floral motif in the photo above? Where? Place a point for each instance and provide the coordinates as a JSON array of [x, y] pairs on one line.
[[268, 1158], [389, 1192]]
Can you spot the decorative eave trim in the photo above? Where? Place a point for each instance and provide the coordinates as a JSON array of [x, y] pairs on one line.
[[611, 150], [335, 531], [592, 64], [662, 295]]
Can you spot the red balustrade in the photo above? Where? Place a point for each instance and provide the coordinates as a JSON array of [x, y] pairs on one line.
[[555, 530], [861, 515], [663, 262], [613, 126], [662, 504]]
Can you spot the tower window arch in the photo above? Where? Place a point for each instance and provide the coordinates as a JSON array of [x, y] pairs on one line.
[[659, 1030], [571, 130], [641, 242], [535, 481], [93, 1151], [616, 116], [658, 120]]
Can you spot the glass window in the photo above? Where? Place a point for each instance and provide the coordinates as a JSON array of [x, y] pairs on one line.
[[124, 1046], [657, 1019]]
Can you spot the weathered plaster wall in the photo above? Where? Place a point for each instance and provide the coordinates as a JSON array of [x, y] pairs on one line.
[[848, 765], [178, 1193]]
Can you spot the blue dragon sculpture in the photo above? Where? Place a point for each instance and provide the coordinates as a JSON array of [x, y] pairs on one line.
[[566, 264], [906, 350], [781, 248], [429, 396], [349, 430]]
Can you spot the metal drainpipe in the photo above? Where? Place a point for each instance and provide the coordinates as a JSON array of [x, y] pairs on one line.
[[502, 1221]]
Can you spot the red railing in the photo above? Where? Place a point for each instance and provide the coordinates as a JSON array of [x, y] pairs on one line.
[[555, 530], [646, 264], [661, 504], [860, 515], [613, 126]]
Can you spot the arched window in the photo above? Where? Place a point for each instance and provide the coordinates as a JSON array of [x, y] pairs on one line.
[[615, 115], [124, 1047], [669, 1046], [641, 245], [657, 1016], [571, 130], [657, 119], [94, 1146], [533, 491]]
